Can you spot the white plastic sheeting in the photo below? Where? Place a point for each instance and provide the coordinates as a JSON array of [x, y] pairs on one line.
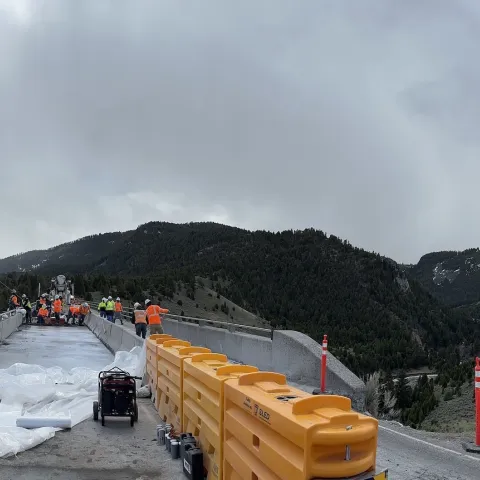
[[33, 391]]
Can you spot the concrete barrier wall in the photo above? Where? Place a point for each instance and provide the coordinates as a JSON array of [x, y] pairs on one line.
[[114, 337], [289, 352], [9, 324]]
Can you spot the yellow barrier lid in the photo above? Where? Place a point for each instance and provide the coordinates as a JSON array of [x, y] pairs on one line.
[[176, 343], [189, 350]]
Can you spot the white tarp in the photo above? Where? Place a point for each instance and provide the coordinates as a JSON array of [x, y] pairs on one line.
[[34, 391]]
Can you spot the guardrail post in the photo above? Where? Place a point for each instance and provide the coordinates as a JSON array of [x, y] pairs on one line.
[[324, 364]]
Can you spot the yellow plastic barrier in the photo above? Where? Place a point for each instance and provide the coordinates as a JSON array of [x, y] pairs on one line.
[[170, 380], [204, 376], [276, 432], [151, 367], [152, 342]]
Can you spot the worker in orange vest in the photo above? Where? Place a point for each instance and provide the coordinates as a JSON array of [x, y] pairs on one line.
[[13, 303], [42, 315], [57, 308], [73, 313], [83, 312], [153, 316], [118, 311], [139, 319]]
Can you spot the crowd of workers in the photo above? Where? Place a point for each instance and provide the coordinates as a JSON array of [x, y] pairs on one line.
[[46, 304], [109, 309], [141, 317]]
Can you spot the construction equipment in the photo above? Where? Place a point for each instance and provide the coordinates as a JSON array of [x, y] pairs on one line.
[[59, 285]]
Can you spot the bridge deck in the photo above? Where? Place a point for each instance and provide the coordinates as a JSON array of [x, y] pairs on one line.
[[88, 451]]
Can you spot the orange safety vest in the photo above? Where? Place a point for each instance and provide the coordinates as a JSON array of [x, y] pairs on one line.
[[15, 299], [118, 307], [84, 310], [57, 306], [74, 309], [43, 312], [153, 313], [140, 316]]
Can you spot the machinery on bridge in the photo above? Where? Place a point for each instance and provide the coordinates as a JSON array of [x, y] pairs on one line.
[[59, 285]]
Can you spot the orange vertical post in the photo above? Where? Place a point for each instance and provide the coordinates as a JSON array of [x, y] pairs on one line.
[[324, 364], [477, 401]]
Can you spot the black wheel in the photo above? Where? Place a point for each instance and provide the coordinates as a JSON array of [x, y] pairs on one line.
[[132, 420], [95, 411], [103, 421], [136, 412]]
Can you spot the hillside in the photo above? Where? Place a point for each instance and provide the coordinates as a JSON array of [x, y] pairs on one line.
[[452, 277], [76, 255], [302, 280]]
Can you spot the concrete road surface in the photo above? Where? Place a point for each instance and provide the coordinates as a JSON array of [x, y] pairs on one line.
[[89, 451], [119, 452]]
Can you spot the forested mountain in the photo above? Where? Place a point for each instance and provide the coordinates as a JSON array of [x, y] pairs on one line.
[[452, 277], [302, 280], [77, 254]]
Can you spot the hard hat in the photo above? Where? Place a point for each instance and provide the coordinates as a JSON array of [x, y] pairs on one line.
[[24, 296], [104, 299], [72, 297], [44, 294], [109, 297], [84, 304], [118, 299], [147, 301], [56, 297], [136, 305], [14, 291]]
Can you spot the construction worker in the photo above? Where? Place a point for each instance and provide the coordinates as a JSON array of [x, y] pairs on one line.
[[57, 309], [118, 311], [28, 308], [73, 312], [110, 308], [83, 312], [13, 302], [42, 315], [139, 319], [49, 303], [153, 316], [101, 308]]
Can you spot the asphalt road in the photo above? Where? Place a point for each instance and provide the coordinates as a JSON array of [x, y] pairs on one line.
[[117, 451]]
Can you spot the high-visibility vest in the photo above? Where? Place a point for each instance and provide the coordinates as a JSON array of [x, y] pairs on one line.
[[84, 310], [43, 312], [102, 305], [57, 306], [110, 306], [153, 313], [140, 316], [118, 307]]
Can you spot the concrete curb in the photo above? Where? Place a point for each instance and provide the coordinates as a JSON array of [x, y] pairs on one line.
[[289, 352], [9, 325]]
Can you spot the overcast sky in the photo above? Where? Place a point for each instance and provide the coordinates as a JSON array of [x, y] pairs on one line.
[[360, 118]]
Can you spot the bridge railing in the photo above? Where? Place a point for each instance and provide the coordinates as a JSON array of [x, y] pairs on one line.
[[234, 327]]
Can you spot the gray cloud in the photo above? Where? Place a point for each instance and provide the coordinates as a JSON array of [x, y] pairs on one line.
[[358, 118]]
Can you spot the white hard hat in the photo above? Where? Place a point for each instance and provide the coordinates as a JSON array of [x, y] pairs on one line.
[[109, 297], [85, 304], [24, 296], [72, 297], [118, 299], [56, 297], [136, 305], [147, 301], [104, 299]]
